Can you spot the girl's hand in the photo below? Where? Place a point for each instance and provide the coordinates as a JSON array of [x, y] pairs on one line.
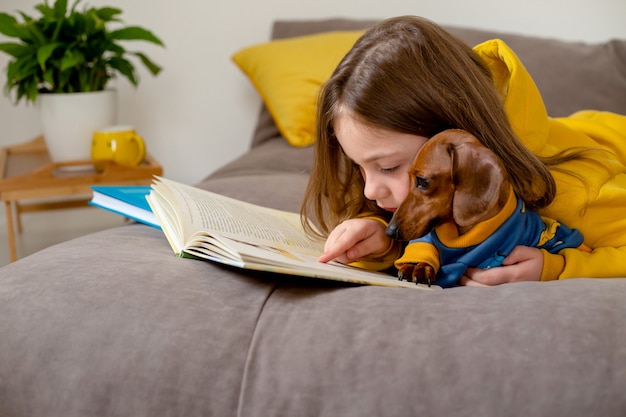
[[523, 264], [354, 239]]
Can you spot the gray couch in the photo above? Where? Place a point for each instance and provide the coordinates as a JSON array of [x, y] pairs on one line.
[[113, 324]]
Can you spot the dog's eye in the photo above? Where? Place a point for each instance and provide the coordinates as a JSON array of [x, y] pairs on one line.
[[421, 182]]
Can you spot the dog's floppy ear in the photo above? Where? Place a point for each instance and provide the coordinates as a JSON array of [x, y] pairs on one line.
[[478, 176]]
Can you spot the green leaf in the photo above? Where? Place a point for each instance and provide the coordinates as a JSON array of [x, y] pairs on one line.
[[63, 82], [35, 34], [12, 70], [152, 67], [108, 13], [24, 30], [32, 89], [45, 52], [125, 68], [71, 59], [90, 23], [48, 77], [60, 8], [115, 48], [45, 11], [9, 26], [135, 33], [26, 17], [21, 72], [14, 49]]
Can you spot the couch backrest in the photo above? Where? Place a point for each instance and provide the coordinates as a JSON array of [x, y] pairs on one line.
[[570, 75]]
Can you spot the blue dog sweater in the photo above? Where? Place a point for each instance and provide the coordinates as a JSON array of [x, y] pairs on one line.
[[482, 247]]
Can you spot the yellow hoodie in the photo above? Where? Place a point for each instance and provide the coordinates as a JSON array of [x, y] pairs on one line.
[[594, 199]]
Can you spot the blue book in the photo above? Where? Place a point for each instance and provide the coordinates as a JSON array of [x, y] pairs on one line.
[[127, 200]]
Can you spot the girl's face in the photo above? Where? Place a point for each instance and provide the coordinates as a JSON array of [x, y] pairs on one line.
[[383, 156]]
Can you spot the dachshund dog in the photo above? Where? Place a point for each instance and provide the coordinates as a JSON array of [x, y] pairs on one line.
[[461, 212]]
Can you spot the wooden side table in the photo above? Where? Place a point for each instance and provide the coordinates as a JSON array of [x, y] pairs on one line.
[[27, 173]]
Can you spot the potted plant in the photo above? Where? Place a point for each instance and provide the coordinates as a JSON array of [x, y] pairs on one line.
[[67, 56]]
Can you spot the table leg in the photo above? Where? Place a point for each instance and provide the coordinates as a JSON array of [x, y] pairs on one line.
[[10, 230], [18, 215]]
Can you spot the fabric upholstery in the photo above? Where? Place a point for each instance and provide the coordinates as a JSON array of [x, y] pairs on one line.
[[459, 352], [113, 324], [288, 73]]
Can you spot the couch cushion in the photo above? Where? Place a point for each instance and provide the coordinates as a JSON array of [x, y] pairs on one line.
[[528, 349], [113, 324]]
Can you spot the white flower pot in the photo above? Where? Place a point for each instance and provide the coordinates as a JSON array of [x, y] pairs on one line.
[[68, 121]]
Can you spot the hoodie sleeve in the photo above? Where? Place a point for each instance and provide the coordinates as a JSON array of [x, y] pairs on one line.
[[592, 196], [591, 192]]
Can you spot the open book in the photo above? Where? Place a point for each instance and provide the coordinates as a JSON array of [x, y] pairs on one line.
[[201, 224]]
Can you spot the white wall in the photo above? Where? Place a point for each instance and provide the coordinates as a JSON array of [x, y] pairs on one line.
[[199, 113]]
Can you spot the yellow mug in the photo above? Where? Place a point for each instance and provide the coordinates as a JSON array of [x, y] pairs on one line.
[[120, 144]]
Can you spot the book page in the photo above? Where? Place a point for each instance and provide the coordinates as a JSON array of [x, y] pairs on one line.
[[269, 259], [218, 214], [210, 226]]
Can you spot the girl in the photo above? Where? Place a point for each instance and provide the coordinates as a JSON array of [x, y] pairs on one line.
[[407, 79]]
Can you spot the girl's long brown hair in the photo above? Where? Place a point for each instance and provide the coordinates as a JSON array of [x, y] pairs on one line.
[[409, 75]]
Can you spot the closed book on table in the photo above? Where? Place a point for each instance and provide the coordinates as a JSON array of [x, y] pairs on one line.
[[127, 200]]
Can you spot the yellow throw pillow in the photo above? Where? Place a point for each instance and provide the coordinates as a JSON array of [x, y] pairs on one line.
[[288, 73]]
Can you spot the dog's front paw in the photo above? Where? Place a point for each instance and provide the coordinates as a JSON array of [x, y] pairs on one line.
[[420, 273]]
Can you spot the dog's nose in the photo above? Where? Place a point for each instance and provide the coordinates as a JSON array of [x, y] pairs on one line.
[[392, 231]]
